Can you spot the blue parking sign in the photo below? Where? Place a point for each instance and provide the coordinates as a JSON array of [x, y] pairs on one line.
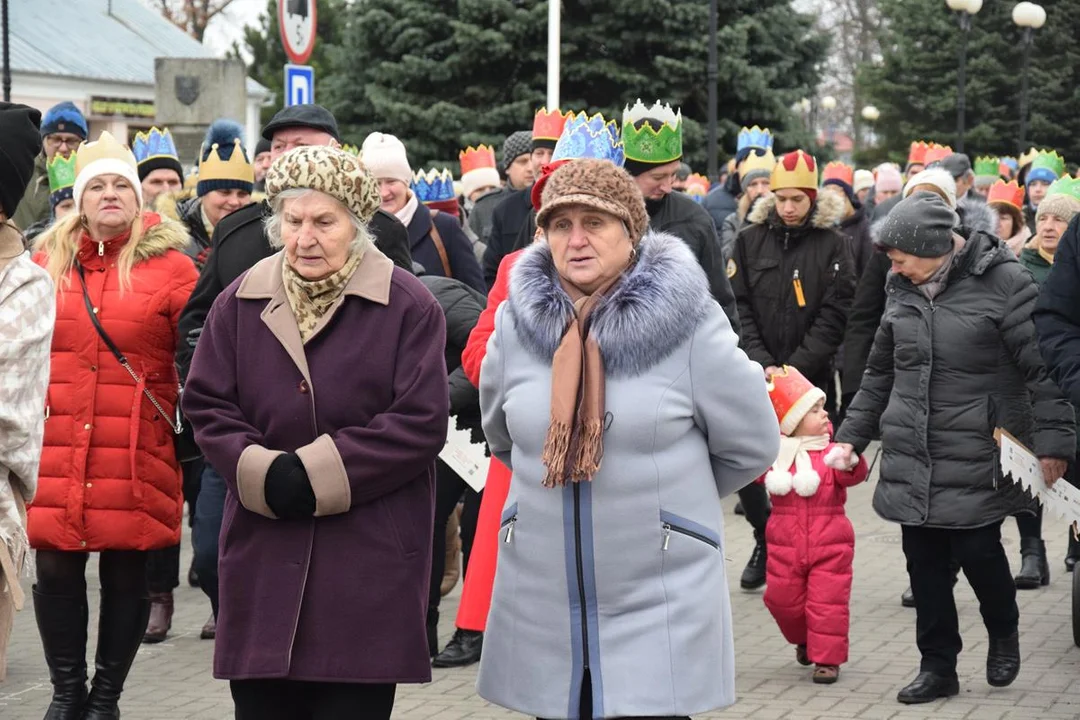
[[299, 85]]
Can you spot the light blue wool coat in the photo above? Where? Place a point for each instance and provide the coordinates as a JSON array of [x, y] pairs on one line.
[[623, 575]]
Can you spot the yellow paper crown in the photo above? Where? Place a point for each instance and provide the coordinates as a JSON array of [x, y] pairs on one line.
[[754, 162], [105, 147], [236, 167], [802, 176]]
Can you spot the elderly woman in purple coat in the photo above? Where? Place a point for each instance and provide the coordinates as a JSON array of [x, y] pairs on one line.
[[318, 389]]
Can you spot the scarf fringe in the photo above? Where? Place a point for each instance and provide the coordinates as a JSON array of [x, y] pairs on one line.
[[556, 448], [590, 451]]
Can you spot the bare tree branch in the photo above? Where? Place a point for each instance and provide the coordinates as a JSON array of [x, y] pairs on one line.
[[192, 16]]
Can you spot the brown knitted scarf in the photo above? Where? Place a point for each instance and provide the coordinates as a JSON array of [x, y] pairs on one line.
[[310, 299], [575, 441]]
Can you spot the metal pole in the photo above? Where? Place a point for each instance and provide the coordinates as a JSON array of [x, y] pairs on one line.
[[961, 100], [7, 52], [711, 75], [554, 18], [1024, 89]]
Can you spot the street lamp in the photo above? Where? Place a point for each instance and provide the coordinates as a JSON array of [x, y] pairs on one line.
[[712, 76], [1031, 17], [871, 113], [964, 10], [828, 102]]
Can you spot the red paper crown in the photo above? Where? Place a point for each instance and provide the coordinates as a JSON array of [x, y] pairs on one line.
[[549, 125], [474, 158], [1009, 193], [838, 171], [936, 153], [792, 396], [917, 154]]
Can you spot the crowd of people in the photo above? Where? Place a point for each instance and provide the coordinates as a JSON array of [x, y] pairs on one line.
[[631, 344]]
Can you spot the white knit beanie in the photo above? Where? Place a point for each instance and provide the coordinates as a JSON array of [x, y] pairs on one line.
[[385, 158], [938, 177], [864, 180], [479, 178], [104, 156]]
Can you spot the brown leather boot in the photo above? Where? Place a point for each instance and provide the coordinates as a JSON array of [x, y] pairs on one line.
[[452, 569], [161, 612], [209, 630]]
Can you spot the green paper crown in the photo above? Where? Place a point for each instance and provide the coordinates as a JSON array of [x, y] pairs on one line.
[[61, 172], [1064, 185], [648, 144], [1049, 160], [987, 167]]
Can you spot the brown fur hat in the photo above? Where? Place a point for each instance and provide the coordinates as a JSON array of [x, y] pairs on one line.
[[596, 184]]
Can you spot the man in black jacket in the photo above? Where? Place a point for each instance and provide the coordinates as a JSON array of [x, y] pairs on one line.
[[239, 242]]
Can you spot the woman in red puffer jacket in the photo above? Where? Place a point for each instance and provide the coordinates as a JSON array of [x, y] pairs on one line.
[[109, 480]]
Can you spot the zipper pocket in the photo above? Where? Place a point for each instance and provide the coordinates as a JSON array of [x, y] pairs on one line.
[[674, 524], [508, 521]]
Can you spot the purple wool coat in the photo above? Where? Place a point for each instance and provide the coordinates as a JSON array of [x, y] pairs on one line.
[[342, 596]]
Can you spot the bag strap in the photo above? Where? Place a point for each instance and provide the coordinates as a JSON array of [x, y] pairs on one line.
[[178, 426], [439, 247]]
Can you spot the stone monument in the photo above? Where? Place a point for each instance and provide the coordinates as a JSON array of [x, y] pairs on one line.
[[190, 93]]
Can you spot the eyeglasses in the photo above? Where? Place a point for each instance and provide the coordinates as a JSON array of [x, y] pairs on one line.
[[71, 141]]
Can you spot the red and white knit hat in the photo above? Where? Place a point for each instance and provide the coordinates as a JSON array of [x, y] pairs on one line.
[[793, 396]]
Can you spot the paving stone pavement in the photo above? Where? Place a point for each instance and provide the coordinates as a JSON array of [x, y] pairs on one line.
[[172, 680]]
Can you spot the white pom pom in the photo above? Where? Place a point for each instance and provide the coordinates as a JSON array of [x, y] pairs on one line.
[[778, 482], [806, 482], [832, 459]]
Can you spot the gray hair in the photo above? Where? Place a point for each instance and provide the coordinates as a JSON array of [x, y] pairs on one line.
[[360, 243]]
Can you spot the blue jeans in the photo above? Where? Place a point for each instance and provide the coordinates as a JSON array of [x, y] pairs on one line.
[[204, 534]]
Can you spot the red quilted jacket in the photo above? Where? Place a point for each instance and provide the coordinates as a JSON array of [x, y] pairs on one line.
[[109, 475]]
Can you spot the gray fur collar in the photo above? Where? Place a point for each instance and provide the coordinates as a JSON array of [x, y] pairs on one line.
[[655, 308], [978, 215], [828, 210]]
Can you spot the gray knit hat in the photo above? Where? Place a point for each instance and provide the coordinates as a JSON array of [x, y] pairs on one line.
[[516, 145], [921, 224]]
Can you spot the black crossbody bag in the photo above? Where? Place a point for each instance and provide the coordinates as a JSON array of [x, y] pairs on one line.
[[183, 438]]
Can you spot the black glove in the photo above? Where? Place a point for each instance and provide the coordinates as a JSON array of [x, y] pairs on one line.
[[288, 489], [193, 336]]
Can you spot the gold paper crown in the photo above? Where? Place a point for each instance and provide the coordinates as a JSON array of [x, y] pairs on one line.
[[802, 175], [754, 162], [236, 167], [105, 147]]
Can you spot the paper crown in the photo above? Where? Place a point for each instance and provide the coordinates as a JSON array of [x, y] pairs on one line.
[[474, 158], [755, 162], [917, 153], [548, 125], [797, 170], [154, 144], [987, 167], [1045, 164], [105, 147], [236, 167], [1026, 158], [838, 171], [589, 137], [1064, 185], [1009, 193], [433, 186], [754, 137], [351, 149], [1007, 166], [792, 396], [697, 187], [61, 172], [936, 153], [656, 146]]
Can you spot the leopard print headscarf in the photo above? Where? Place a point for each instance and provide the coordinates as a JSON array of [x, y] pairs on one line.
[[310, 299], [329, 170]]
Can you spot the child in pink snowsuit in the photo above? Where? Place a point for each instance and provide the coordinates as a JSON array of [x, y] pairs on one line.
[[810, 540]]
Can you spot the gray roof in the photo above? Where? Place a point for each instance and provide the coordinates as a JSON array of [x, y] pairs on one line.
[[91, 43]]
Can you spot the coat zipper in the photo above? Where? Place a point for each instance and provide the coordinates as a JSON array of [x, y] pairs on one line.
[[581, 576], [669, 528], [101, 249], [509, 524]]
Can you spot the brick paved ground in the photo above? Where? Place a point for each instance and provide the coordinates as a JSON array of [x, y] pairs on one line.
[[172, 680]]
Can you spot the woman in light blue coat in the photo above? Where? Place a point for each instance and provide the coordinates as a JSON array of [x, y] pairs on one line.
[[614, 388]]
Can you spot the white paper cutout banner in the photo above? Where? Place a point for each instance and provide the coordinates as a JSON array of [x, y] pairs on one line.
[[1017, 461], [465, 457]]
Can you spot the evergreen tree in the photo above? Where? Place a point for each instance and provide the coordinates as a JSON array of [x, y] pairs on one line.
[[442, 74]]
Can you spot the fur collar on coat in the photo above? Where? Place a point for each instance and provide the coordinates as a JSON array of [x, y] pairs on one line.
[[828, 210], [652, 311]]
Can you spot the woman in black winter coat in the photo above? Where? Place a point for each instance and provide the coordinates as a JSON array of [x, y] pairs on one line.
[[462, 306], [953, 359]]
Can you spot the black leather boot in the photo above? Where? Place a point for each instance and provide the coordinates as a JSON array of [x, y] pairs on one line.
[[463, 649], [907, 598], [61, 621], [1073, 555], [1034, 567], [753, 576], [1003, 660], [121, 624], [928, 687]]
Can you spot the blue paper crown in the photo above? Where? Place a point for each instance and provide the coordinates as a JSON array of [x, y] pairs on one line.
[[156, 143], [433, 186], [754, 137], [585, 137]]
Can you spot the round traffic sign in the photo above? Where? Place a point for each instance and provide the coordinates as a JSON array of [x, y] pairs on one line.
[[296, 22]]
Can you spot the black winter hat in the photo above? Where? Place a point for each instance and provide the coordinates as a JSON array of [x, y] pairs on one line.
[[921, 225], [312, 116], [20, 144], [261, 147]]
